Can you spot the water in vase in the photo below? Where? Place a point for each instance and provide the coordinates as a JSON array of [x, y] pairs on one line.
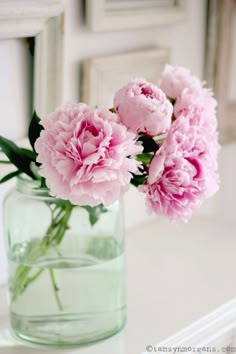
[[71, 300]]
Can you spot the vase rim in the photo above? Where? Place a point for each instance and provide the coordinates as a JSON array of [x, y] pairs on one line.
[[33, 188]]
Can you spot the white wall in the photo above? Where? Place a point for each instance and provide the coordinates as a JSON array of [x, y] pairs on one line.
[[186, 41]]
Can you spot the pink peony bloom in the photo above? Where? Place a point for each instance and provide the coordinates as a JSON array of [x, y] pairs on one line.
[[175, 79], [143, 108], [84, 154], [182, 173], [200, 110]]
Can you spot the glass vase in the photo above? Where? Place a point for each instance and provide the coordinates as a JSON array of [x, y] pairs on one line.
[[66, 267]]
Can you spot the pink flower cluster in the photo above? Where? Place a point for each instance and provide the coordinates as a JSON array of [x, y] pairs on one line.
[[85, 153], [143, 108], [162, 139], [183, 171], [175, 79]]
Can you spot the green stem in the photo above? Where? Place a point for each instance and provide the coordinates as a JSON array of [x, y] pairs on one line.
[[52, 238], [5, 162], [56, 289]]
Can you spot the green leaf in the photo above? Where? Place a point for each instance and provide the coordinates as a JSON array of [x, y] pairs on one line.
[[138, 180], [9, 176], [21, 158], [29, 153], [43, 182], [144, 158], [95, 212], [35, 129]]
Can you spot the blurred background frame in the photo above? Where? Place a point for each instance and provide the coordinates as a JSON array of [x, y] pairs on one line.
[[102, 76], [104, 15], [40, 20]]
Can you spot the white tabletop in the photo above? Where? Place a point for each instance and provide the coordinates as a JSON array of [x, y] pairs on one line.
[[175, 275]]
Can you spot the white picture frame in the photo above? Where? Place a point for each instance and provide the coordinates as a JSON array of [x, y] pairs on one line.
[[119, 14], [103, 76], [42, 19]]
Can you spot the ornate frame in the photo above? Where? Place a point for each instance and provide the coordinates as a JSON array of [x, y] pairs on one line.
[[102, 76], [43, 20]]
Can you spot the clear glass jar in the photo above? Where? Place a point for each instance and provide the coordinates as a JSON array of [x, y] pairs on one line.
[[66, 267]]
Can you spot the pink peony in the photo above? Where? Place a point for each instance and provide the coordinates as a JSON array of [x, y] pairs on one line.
[[143, 108], [200, 110], [175, 79], [85, 153], [182, 173]]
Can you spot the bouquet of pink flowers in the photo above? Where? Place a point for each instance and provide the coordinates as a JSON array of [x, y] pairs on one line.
[[161, 139]]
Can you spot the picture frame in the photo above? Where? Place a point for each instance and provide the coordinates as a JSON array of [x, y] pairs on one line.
[[218, 63], [102, 76], [42, 20], [113, 15]]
